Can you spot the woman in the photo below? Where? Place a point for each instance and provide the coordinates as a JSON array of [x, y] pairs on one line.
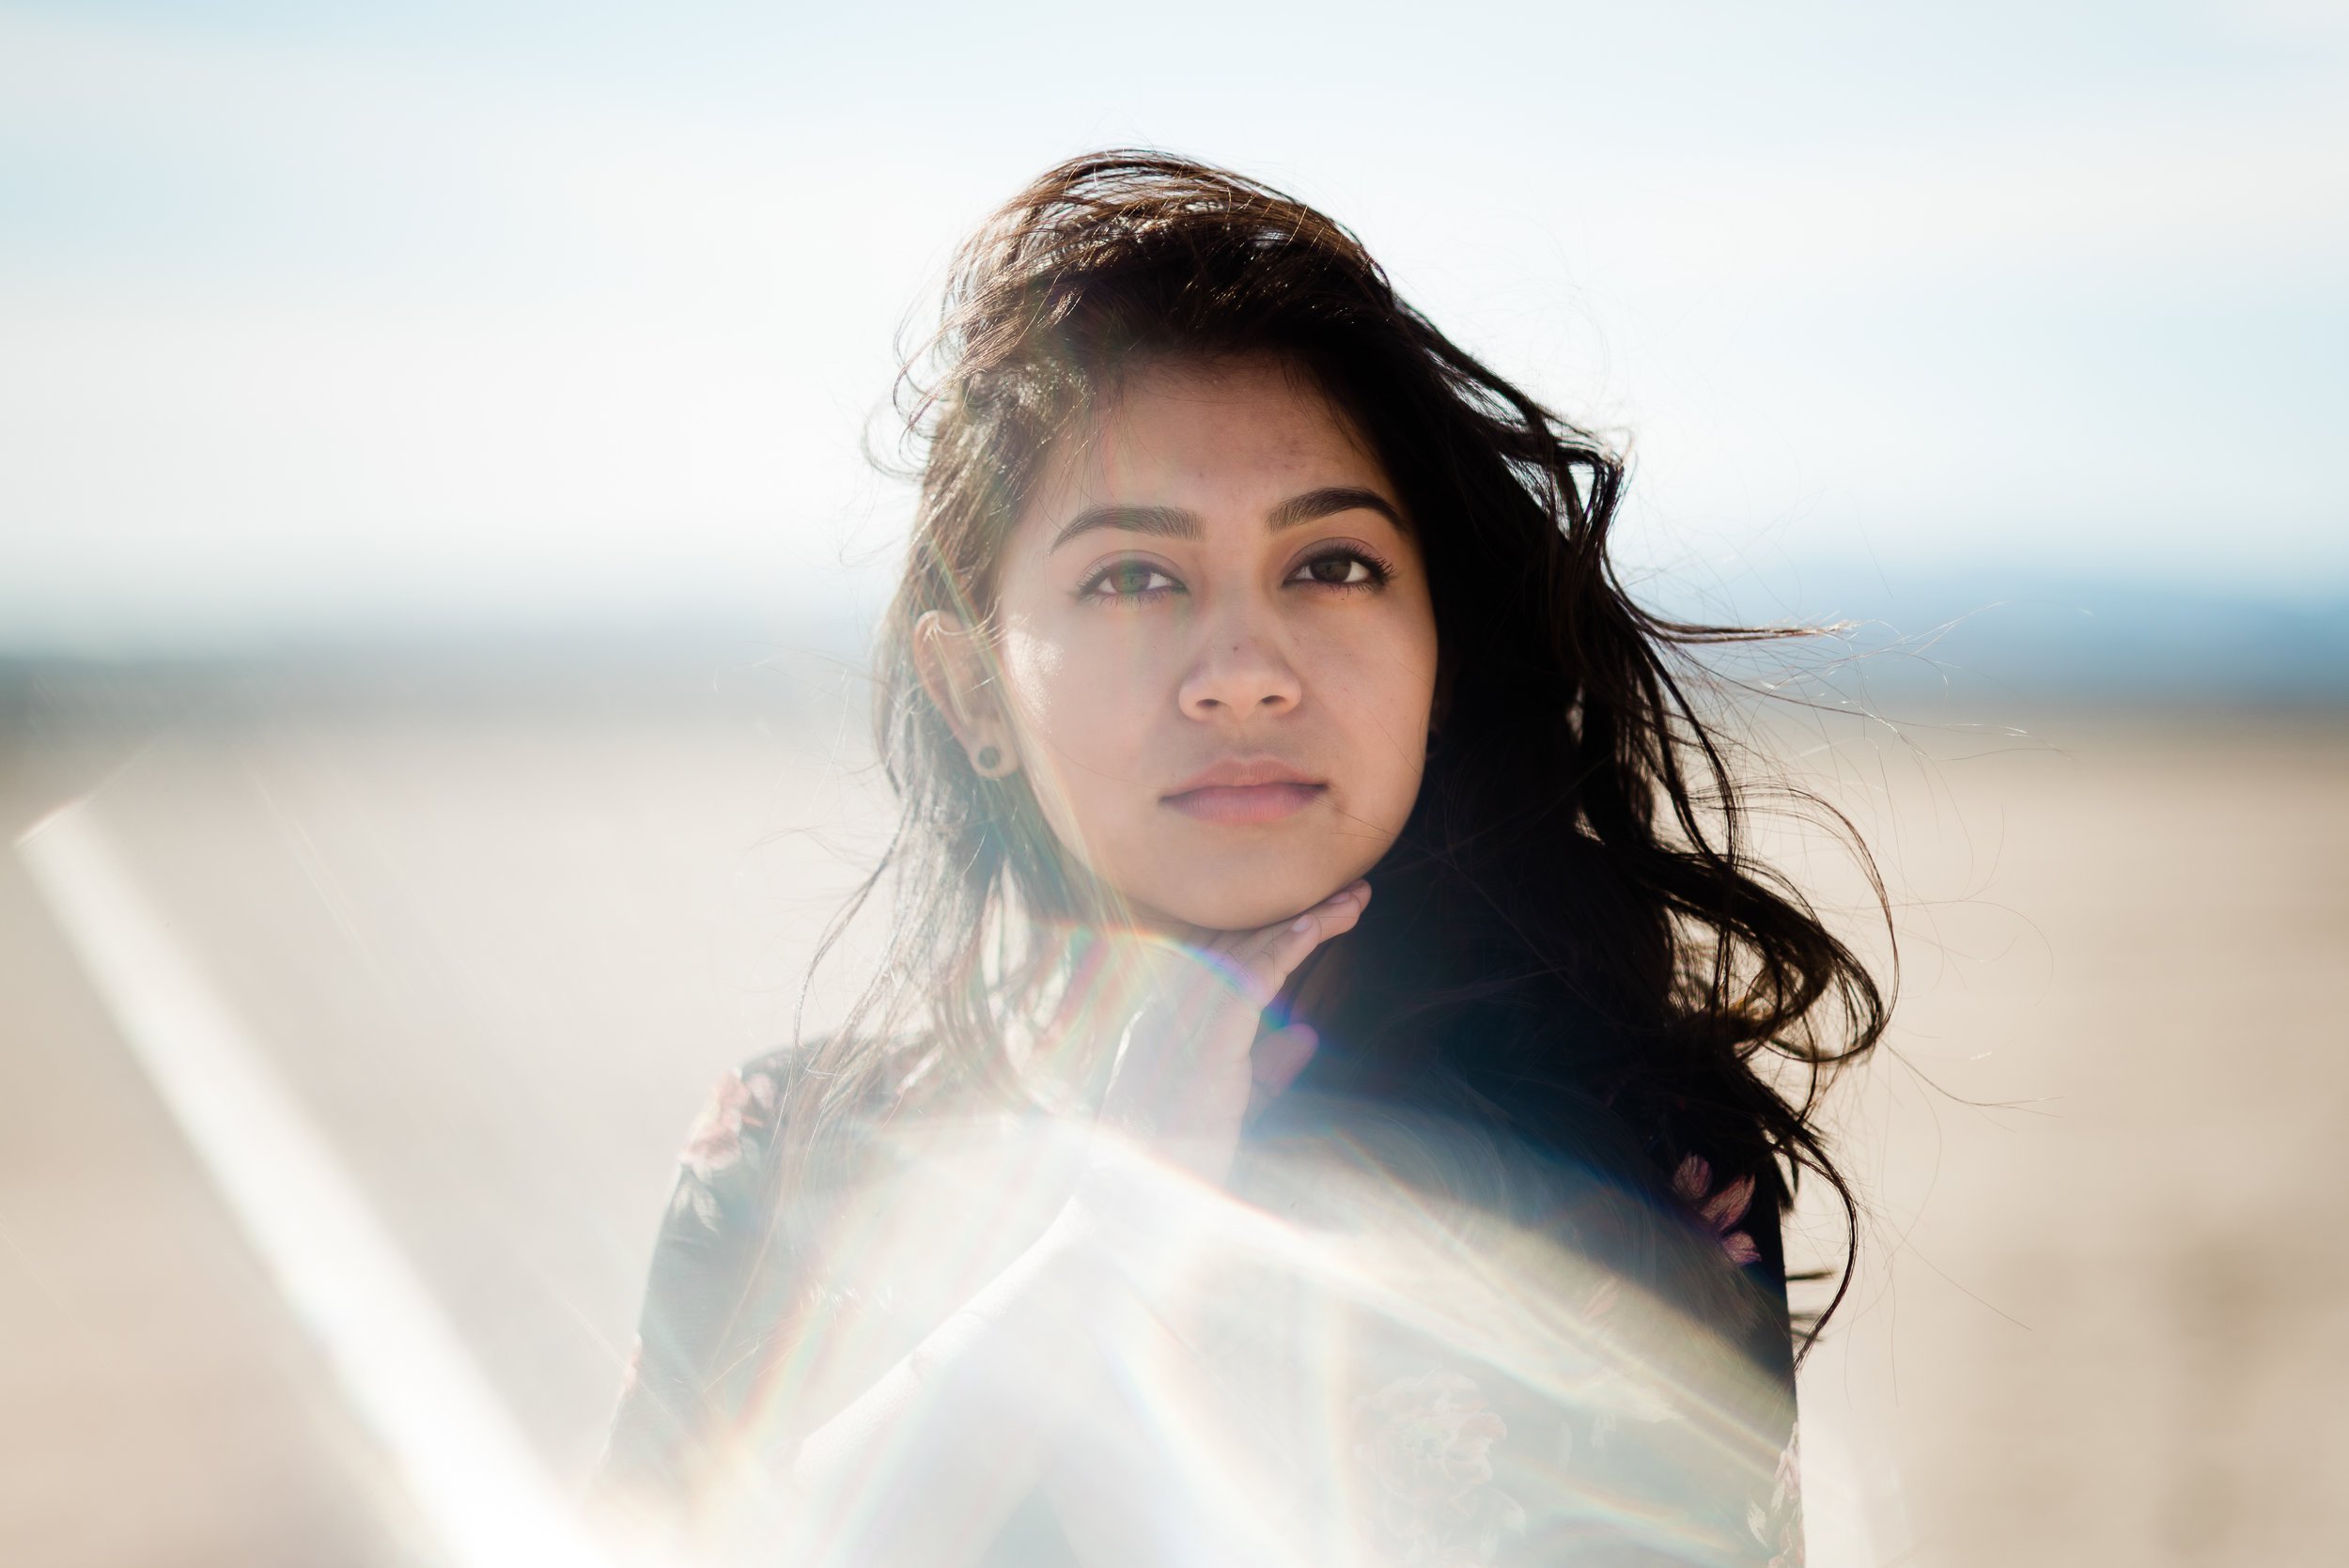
[[1309, 1110]]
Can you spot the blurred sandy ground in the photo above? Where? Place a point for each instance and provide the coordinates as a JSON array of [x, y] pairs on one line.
[[499, 937]]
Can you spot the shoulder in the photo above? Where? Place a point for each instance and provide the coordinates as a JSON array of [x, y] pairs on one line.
[[727, 1166], [711, 1232], [728, 1150], [739, 1120], [717, 1246]]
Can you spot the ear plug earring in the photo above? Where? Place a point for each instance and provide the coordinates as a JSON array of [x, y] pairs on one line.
[[988, 760]]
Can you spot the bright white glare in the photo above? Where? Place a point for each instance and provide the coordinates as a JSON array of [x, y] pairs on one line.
[[1292, 1337], [407, 1375]]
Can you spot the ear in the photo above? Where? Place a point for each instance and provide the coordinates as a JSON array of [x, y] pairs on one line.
[[957, 673]]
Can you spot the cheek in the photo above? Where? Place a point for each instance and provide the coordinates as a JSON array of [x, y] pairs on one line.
[[1032, 666], [1380, 683], [1069, 697], [1083, 719]]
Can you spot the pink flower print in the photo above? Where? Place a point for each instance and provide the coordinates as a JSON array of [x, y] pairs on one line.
[[633, 1372], [1779, 1527], [715, 1142], [1428, 1438], [1426, 1446], [1693, 1184]]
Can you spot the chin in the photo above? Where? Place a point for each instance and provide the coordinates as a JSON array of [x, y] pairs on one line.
[[1251, 896]]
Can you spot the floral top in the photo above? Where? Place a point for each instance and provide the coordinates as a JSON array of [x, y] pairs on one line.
[[1500, 1402]]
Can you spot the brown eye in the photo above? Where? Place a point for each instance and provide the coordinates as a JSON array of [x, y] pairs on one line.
[[1341, 569]]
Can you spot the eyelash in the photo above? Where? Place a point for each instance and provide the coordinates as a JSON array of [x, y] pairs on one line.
[[1382, 570], [1089, 590], [1379, 570]]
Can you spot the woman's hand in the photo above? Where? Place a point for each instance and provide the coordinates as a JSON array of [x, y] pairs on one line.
[[1188, 1053], [971, 1418]]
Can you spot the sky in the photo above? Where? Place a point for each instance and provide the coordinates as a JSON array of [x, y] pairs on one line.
[[320, 318]]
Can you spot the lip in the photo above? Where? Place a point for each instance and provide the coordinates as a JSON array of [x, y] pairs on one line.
[[1244, 791]]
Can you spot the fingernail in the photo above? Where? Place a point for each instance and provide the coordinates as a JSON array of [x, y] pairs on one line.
[[1303, 923]]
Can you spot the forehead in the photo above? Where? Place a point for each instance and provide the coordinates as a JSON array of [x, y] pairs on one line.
[[1212, 437]]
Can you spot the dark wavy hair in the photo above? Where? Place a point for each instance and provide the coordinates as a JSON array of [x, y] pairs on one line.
[[1572, 939]]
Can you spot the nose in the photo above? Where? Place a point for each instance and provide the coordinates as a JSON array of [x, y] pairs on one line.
[[1239, 672]]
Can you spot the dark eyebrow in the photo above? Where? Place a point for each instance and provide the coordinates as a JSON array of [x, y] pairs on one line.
[[1327, 501], [1166, 523], [1173, 522]]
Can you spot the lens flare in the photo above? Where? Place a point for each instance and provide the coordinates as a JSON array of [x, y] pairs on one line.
[[1327, 1366]]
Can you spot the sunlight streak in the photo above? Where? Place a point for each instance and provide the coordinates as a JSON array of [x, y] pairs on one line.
[[401, 1365]]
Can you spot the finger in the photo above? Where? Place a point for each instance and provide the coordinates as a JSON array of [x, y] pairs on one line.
[[1344, 903], [1280, 1055], [1283, 947], [1274, 1064], [1334, 914], [1247, 945]]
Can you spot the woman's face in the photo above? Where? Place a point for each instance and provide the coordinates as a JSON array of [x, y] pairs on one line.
[[1218, 650]]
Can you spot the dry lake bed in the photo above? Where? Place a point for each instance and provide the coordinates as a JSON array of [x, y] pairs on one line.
[[489, 951]]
